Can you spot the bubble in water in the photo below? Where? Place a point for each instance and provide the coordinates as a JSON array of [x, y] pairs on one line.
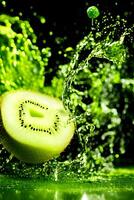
[[93, 12]]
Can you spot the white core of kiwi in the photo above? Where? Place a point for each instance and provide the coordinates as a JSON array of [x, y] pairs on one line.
[[36, 127]]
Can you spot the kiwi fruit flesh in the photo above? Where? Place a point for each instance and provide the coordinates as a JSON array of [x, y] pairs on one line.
[[34, 127]]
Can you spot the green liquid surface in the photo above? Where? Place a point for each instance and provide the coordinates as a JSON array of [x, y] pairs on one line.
[[119, 185]]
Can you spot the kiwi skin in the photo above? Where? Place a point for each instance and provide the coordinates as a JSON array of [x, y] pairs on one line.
[[28, 152]]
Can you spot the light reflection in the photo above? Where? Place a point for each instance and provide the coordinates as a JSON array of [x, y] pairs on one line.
[[61, 194], [84, 197]]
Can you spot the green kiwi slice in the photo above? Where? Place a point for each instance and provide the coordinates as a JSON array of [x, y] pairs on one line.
[[35, 127]]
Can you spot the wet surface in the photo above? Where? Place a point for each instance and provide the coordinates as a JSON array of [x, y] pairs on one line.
[[46, 194], [119, 185]]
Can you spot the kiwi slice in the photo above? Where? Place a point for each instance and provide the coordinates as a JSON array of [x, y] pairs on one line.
[[35, 127]]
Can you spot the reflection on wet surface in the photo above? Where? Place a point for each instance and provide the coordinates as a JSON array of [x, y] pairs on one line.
[[118, 185], [47, 194]]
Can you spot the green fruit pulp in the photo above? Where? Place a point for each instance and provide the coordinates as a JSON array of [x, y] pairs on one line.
[[29, 127]]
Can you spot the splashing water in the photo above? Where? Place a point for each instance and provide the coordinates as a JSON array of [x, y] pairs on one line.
[[93, 88], [20, 57], [91, 84]]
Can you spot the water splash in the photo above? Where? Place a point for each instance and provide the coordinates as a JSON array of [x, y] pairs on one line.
[[96, 69], [20, 57], [92, 93]]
